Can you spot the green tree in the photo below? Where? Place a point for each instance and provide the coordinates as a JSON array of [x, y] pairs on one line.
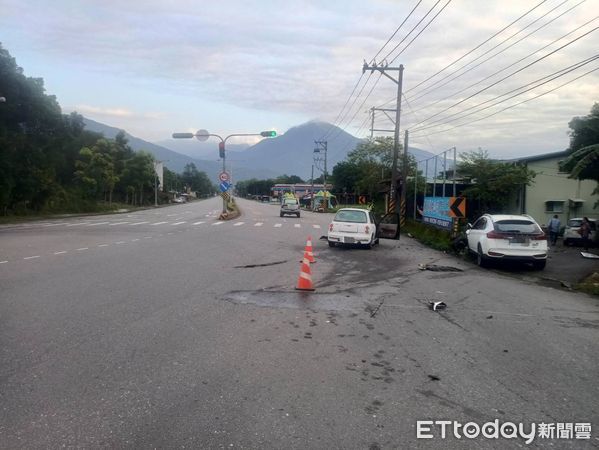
[[493, 182], [583, 160]]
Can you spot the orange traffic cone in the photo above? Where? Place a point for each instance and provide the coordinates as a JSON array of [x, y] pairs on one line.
[[304, 282], [308, 251]]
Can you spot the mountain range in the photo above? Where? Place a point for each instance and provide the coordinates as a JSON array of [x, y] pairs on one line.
[[288, 154]]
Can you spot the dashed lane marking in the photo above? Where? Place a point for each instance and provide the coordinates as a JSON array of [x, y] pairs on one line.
[[238, 224], [31, 257], [99, 223], [297, 225], [258, 224], [179, 223], [102, 245], [3, 262], [137, 223], [316, 226], [134, 240], [199, 223], [278, 225], [217, 223], [120, 242], [77, 224], [159, 223], [60, 253], [118, 223], [82, 248]]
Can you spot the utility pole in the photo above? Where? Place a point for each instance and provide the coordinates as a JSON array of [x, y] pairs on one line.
[[312, 190], [323, 145], [385, 111], [393, 193]]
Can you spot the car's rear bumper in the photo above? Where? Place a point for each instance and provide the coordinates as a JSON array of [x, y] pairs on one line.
[[349, 238], [496, 254]]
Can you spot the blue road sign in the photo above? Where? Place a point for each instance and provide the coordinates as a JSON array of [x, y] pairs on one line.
[[224, 186]]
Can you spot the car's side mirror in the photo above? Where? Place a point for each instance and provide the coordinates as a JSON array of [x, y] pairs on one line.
[[469, 226]]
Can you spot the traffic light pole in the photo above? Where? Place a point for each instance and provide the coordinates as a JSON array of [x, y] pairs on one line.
[[393, 193]]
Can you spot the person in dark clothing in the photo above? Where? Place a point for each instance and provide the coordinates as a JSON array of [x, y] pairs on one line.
[[585, 233], [553, 226]]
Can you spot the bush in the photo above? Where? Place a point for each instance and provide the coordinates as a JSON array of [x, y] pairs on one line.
[[429, 235]]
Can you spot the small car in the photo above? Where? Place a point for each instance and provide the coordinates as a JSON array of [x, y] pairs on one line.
[[290, 206], [352, 226], [507, 238], [571, 234]]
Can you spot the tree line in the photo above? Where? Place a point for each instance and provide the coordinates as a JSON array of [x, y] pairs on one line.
[[50, 163]]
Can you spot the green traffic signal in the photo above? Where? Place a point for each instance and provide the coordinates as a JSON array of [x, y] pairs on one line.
[[268, 134]]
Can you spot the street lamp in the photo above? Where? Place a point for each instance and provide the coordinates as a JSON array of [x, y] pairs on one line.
[[202, 135]]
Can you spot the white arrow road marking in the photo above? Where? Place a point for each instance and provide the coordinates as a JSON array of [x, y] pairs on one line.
[[238, 224]]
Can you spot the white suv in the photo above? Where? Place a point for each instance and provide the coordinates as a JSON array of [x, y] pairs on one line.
[[507, 237], [571, 234]]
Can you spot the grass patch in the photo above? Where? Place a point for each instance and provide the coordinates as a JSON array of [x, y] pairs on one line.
[[429, 235], [590, 285]]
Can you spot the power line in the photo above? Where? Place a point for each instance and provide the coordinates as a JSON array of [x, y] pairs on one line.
[[511, 106], [421, 31], [362, 75], [431, 88], [537, 83], [395, 32], [413, 28], [510, 75], [477, 47]]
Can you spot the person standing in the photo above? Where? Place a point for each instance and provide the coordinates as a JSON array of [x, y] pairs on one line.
[[585, 233], [554, 226]]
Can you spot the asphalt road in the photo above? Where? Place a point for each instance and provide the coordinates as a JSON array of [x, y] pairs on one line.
[[168, 329]]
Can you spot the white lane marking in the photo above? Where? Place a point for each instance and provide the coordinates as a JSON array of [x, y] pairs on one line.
[[171, 215], [159, 223], [60, 253], [118, 223], [82, 248], [297, 225], [3, 262], [147, 237], [278, 225], [134, 240], [199, 223], [169, 233], [258, 224], [316, 226], [238, 224], [77, 224], [99, 223], [179, 223], [102, 245], [217, 223], [137, 223], [120, 242], [53, 224], [31, 257]]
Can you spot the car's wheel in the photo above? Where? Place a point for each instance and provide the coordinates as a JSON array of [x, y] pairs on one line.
[[331, 244], [481, 259], [298, 215], [539, 265], [371, 243]]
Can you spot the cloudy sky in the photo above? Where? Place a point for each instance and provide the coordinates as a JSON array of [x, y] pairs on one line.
[[154, 67]]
